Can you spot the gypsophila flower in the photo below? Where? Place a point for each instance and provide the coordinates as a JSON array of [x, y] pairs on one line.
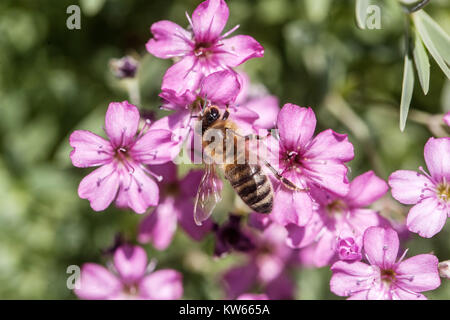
[[307, 162], [203, 50], [385, 277], [123, 174], [429, 193], [131, 278]]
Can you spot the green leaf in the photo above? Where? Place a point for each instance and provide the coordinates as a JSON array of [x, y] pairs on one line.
[[407, 90], [427, 40], [437, 35], [422, 63], [361, 13]]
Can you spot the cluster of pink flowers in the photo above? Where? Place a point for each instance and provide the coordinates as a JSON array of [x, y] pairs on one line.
[[325, 221]]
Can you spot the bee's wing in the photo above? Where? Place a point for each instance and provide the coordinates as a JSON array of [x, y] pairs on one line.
[[208, 195]]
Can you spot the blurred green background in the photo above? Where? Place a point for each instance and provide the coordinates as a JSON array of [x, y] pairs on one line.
[[54, 80]]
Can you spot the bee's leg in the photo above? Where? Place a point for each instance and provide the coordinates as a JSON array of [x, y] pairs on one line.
[[225, 115], [287, 183]]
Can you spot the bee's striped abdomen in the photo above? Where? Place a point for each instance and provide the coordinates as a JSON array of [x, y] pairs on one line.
[[252, 185]]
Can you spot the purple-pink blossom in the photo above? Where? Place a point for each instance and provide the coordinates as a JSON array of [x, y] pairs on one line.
[[385, 277], [175, 208], [201, 51], [429, 193], [307, 162], [123, 174], [130, 277], [267, 266], [335, 231]]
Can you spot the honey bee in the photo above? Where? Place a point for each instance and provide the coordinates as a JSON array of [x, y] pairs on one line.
[[246, 177]]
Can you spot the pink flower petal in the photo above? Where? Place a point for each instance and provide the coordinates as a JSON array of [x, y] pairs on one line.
[[238, 49], [244, 81], [419, 273], [186, 219], [296, 126], [400, 294], [131, 263], [220, 87], [169, 40], [267, 109], [406, 186], [426, 218], [350, 278], [121, 123], [89, 149], [155, 147], [158, 228], [139, 190], [165, 284], [281, 288], [168, 171], [100, 187], [381, 246], [300, 237], [437, 157], [239, 280], [329, 145], [291, 207], [178, 102], [209, 19], [97, 283], [361, 219], [183, 75], [189, 184], [325, 249], [366, 189], [328, 174]]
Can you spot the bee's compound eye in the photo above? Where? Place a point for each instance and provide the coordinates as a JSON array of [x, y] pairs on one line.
[[213, 115]]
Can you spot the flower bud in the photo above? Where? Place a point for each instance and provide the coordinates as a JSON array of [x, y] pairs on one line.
[[125, 67], [444, 269]]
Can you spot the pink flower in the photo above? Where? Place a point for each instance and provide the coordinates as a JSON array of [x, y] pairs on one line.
[[267, 266], [123, 174], [429, 193], [176, 207], [130, 279], [307, 162], [338, 223], [384, 278], [202, 51], [447, 118]]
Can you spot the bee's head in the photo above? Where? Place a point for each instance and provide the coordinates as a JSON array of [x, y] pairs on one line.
[[210, 115]]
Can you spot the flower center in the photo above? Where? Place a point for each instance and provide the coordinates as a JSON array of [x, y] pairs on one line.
[[203, 49], [336, 207], [130, 290], [388, 276], [443, 191]]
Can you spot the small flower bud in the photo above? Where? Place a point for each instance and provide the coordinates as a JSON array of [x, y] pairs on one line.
[[444, 269], [125, 67]]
